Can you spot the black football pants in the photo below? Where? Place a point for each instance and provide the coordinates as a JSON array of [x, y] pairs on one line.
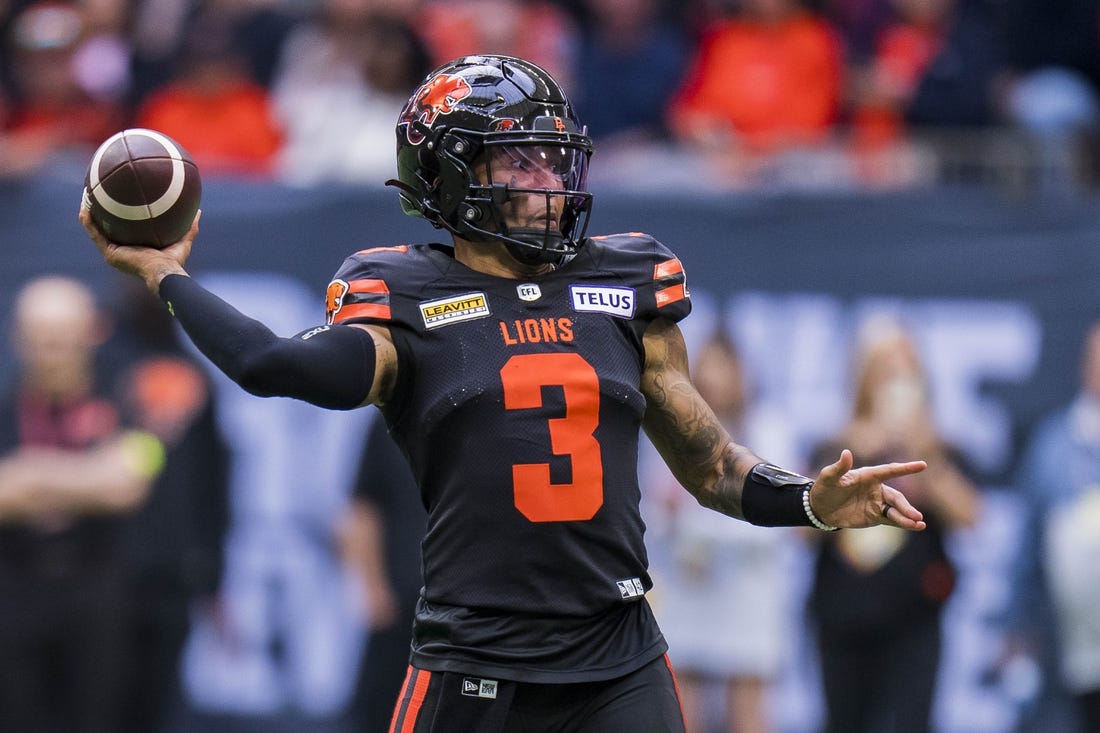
[[644, 701]]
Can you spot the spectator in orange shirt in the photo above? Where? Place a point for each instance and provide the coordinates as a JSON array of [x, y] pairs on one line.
[[765, 78], [882, 90], [214, 109], [937, 67]]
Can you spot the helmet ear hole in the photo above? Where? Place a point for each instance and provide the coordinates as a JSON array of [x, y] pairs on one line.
[[452, 184], [427, 163]]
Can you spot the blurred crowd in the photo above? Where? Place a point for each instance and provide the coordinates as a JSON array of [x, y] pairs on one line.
[[307, 91]]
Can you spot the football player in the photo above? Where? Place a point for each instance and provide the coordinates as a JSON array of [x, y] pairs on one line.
[[515, 366]]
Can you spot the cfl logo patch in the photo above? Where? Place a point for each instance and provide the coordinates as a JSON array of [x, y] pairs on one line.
[[529, 292], [473, 687], [630, 588]]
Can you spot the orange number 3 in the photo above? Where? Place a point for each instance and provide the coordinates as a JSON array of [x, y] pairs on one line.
[[524, 376]]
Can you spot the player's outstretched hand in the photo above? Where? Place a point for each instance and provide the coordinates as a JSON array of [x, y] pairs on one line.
[[148, 263], [850, 497]]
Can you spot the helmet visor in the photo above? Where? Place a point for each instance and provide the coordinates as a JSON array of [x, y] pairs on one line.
[[537, 166]]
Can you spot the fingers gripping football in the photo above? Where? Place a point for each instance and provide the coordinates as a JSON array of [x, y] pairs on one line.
[[147, 263]]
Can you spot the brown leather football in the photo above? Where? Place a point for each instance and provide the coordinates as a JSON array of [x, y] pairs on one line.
[[142, 188]]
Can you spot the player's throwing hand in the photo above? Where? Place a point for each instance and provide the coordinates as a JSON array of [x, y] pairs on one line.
[[148, 263]]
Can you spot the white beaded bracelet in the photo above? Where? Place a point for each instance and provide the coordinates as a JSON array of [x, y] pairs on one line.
[[813, 517]]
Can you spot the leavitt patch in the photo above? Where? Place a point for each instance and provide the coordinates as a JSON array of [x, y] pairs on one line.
[[459, 308]]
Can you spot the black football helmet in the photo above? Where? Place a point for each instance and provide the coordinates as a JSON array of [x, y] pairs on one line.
[[478, 106]]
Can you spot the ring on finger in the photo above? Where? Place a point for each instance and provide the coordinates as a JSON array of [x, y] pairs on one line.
[[886, 510]]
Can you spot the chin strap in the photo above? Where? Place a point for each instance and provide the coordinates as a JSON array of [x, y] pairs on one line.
[[542, 245], [529, 245]]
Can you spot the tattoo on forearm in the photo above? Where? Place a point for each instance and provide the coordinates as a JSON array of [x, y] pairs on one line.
[[696, 447], [687, 427], [685, 430]]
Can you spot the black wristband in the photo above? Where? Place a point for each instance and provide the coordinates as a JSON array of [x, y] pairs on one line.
[[773, 497]]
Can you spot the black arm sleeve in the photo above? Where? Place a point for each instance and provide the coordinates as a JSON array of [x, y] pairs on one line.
[[328, 366]]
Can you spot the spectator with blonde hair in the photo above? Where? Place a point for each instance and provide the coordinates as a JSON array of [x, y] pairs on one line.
[[879, 674]]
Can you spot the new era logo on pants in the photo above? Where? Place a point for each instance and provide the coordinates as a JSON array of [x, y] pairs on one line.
[[630, 588], [473, 687]]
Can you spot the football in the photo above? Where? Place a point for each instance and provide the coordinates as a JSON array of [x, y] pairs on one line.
[[142, 188]]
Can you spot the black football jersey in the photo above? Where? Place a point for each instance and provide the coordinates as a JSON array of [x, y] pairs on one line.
[[518, 407]]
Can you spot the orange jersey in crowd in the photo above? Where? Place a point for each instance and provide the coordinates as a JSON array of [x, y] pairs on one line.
[[773, 84], [230, 131], [902, 55]]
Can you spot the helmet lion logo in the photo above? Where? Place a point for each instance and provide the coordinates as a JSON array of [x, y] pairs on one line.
[[438, 96]]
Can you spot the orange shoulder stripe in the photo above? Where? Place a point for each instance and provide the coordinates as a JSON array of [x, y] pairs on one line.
[[668, 268], [368, 286]]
